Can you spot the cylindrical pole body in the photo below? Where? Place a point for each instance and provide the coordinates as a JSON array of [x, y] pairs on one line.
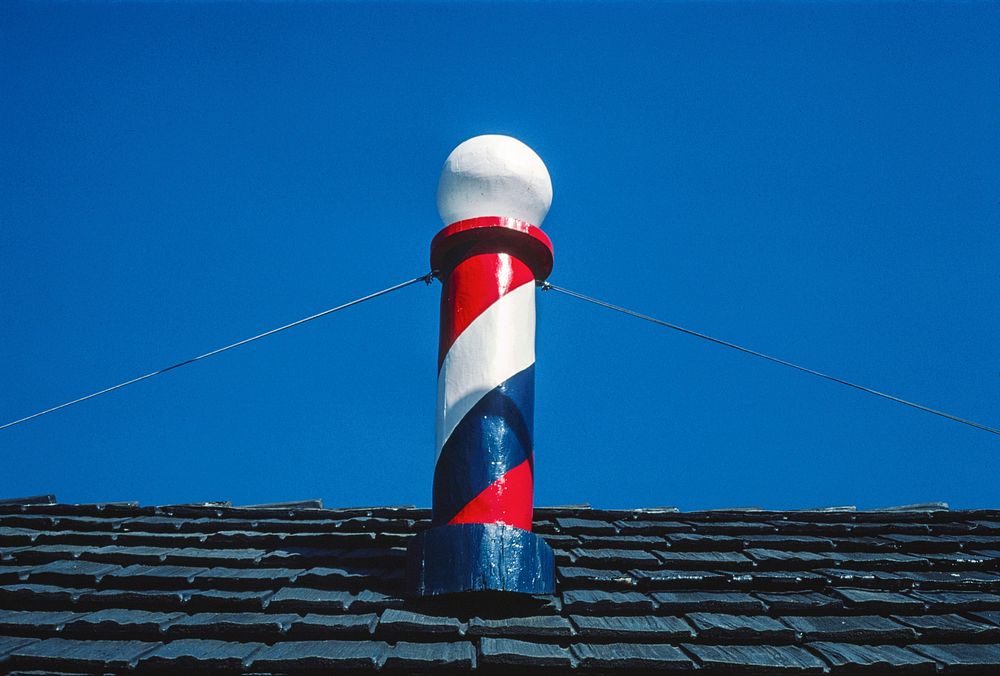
[[486, 392]]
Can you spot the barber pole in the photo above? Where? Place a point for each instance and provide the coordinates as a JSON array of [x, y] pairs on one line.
[[493, 194]]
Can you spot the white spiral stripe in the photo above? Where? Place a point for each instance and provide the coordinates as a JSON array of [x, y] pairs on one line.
[[498, 344]]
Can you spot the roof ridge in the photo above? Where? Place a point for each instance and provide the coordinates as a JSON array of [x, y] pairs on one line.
[[47, 499], [314, 508]]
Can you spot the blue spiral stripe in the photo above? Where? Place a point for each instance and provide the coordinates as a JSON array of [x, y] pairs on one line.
[[494, 437]]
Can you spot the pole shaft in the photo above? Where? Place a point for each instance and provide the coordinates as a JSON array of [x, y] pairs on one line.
[[484, 469]]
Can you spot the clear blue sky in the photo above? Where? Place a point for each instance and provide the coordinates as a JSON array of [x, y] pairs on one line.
[[819, 181]]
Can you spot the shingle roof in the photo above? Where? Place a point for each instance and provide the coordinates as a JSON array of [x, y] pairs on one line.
[[291, 588]]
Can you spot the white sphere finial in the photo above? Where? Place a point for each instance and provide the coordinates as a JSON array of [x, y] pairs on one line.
[[494, 175]]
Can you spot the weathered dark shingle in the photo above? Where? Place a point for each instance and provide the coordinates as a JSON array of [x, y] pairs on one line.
[[246, 578], [226, 600], [989, 616], [232, 626], [412, 656], [307, 600], [521, 627], [582, 601], [297, 656], [117, 622], [585, 526], [854, 628], [368, 600], [795, 603], [403, 623], [33, 595], [679, 579], [949, 628], [71, 573], [790, 543], [757, 658], [636, 628], [154, 577], [40, 554], [647, 527], [510, 652], [869, 579], [8, 644], [88, 656], [703, 542], [846, 657], [326, 577], [705, 560], [49, 622], [635, 541], [615, 558], [957, 658], [737, 628], [314, 626], [880, 602], [944, 581], [709, 602], [192, 655], [630, 656], [12, 537], [777, 580], [594, 578], [136, 599], [789, 560], [958, 600], [879, 560]]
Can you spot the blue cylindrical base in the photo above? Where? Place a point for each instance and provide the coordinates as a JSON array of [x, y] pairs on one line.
[[479, 557]]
